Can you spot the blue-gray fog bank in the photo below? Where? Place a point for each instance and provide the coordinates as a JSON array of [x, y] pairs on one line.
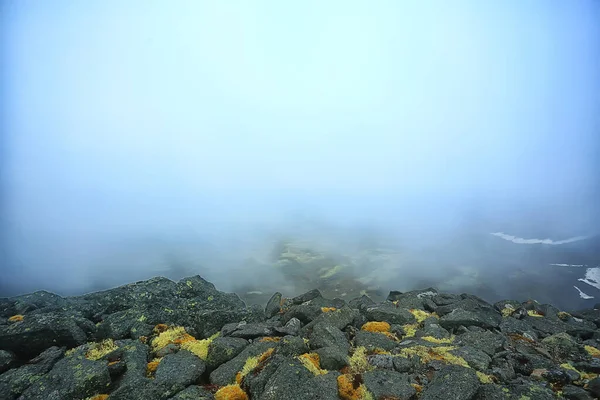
[[143, 139]]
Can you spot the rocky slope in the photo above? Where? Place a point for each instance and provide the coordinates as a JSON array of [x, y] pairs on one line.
[[160, 339]]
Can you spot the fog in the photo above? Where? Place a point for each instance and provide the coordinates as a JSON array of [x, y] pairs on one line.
[[146, 138]]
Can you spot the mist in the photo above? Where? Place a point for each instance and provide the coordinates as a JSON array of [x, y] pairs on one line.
[[148, 138]]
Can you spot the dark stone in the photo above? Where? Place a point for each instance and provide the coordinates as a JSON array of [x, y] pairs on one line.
[[484, 319], [593, 387], [194, 393], [225, 373], [326, 335], [452, 382], [7, 359], [252, 331], [332, 358], [575, 393], [273, 305], [223, 349], [389, 313], [488, 342], [292, 346], [180, 370], [361, 302], [308, 296], [382, 361], [474, 357], [388, 384], [292, 327], [372, 341]]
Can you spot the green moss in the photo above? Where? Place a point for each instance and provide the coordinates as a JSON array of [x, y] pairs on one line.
[[210, 298]]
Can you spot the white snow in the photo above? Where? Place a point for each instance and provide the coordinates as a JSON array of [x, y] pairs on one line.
[[592, 277], [583, 295], [569, 265], [519, 240]]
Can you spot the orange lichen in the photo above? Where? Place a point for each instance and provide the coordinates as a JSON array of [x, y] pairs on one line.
[[99, 397], [16, 318], [184, 338], [161, 328], [143, 339], [378, 327], [253, 363], [231, 392], [270, 339], [350, 387], [152, 366], [417, 387], [311, 362], [114, 362], [328, 309]]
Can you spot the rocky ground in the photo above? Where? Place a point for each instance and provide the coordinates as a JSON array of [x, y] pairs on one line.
[[160, 339]]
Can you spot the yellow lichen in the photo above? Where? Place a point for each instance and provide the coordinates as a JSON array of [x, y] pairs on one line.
[[174, 335], [428, 354], [378, 327], [312, 363], [328, 309], [508, 310], [484, 378], [99, 350], [160, 328], [564, 315], [421, 315], [583, 375], [380, 351], [417, 387], [438, 341], [410, 330], [251, 364], [350, 388], [231, 392], [270, 339], [358, 362], [533, 313], [16, 318], [592, 351], [199, 347]]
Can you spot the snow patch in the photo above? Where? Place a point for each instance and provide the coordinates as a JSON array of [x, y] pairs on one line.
[[519, 240], [583, 295], [592, 277], [569, 265], [426, 294]]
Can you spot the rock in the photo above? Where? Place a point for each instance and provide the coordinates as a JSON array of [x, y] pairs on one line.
[[332, 358], [474, 357], [289, 381], [488, 342], [326, 335], [273, 305], [388, 384], [252, 331], [388, 312], [194, 393], [361, 302], [71, 378], [382, 361], [308, 296], [180, 370], [452, 382], [514, 326], [404, 365], [292, 346], [292, 327], [485, 319], [7, 359], [340, 318], [416, 299], [223, 349], [254, 383], [562, 347], [492, 392], [433, 329], [374, 341], [225, 373], [37, 333], [15, 381], [532, 391], [575, 393], [593, 387]]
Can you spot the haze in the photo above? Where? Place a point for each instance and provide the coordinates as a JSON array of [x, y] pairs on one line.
[[205, 132]]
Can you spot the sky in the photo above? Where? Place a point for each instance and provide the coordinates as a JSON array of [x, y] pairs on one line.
[[124, 121]]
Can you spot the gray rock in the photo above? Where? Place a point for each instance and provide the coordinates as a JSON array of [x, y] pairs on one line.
[[252, 331], [484, 319], [289, 381], [194, 393], [452, 383], [389, 313], [39, 332], [273, 305], [361, 302], [223, 349], [332, 358], [6, 360], [292, 346], [180, 370], [340, 318], [532, 391], [15, 381], [381, 361], [562, 347], [292, 327], [492, 392], [488, 342], [404, 365], [388, 384], [326, 335], [516, 326], [308, 296], [594, 387], [225, 373], [71, 378], [575, 393], [474, 357], [372, 341]]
